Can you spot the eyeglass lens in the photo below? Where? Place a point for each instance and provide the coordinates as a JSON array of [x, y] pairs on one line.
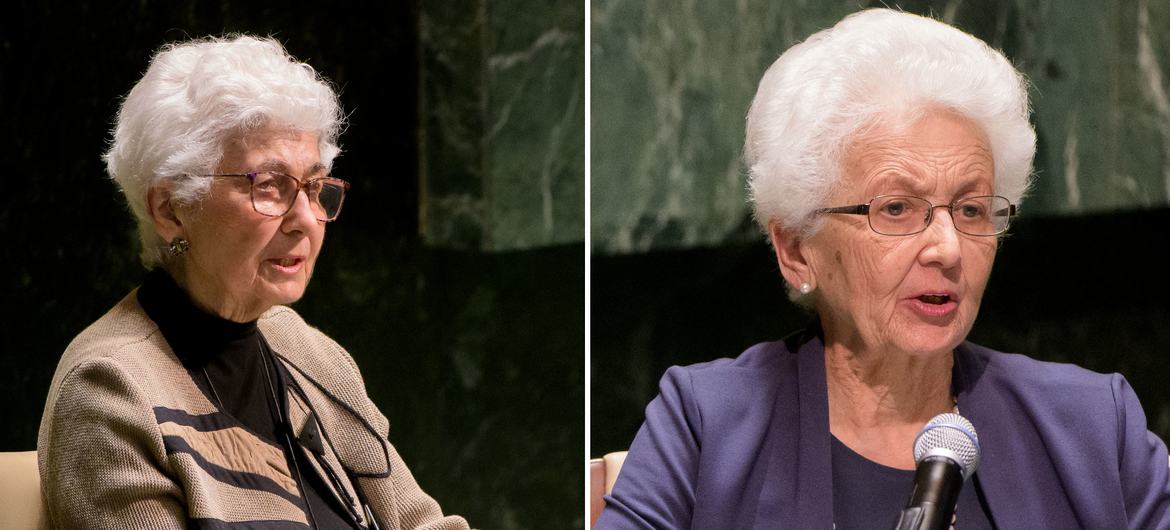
[[902, 215], [274, 194]]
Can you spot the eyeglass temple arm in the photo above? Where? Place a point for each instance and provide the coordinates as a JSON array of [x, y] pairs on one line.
[[856, 209], [1010, 211]]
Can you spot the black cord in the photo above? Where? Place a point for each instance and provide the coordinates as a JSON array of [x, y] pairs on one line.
[[353, 478], [280, 417], [353, 505], [287, 428], [213, 392], [361, 419]]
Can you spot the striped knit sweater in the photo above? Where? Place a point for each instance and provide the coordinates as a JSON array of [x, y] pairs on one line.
[[128, 440]]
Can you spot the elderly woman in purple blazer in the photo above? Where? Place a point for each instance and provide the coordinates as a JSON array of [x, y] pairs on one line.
[[887, 155]]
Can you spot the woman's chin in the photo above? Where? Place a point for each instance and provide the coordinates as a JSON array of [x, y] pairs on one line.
[[929, 335], [927, 340], [285, 292], [285, 286]]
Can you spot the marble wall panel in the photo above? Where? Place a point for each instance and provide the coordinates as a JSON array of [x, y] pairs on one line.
[[672, 81], [1100, 73], [502, 124]]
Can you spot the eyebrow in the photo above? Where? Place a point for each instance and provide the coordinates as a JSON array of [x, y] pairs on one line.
[[971, 186], [277, 165], [902, 177], [898, 178]]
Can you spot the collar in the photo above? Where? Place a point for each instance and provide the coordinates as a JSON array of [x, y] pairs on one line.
[[196, 336]]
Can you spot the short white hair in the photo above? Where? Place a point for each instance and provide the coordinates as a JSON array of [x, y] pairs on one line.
[[197, 95], [873, 67]]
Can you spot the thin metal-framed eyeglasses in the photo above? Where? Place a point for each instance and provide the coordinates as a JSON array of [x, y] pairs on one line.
[[905, 215], [274, 193]]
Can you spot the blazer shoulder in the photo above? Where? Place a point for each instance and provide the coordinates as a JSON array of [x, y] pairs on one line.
[[1056, 391], [1019, 370], [737, 385], [762, 358]]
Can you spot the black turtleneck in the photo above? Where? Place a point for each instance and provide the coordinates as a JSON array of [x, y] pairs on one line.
[[231, 363]]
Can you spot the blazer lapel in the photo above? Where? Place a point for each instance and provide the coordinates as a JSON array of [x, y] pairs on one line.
[[1015, 474], [814, 498], [797, 490]]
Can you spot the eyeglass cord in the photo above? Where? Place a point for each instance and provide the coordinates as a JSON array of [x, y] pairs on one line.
[[287, 428]]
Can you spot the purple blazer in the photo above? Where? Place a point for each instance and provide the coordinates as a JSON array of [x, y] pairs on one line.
[[744, 443]]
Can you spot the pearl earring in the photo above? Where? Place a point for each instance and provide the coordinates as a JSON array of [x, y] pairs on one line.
[[805, 288]]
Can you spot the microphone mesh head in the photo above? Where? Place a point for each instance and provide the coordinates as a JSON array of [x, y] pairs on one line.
[[949, 435]]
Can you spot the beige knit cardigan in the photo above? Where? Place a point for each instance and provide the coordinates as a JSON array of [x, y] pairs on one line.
[[128, 441]]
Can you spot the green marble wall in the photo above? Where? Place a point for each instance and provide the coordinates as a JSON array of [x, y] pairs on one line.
[[1101, 72], [672, 81], [502, 112]]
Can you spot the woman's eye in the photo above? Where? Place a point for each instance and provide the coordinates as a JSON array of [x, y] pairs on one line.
[[268, 183], [971, 211], [894, 208]]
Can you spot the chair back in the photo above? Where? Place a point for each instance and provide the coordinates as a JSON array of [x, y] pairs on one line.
[[603, 472], [21, 507]]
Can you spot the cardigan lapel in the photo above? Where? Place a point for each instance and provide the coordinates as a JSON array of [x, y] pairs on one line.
[[361, 451], [336, 404], [308, 433]]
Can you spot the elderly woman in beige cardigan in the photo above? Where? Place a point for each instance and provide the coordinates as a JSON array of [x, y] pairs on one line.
[[200, 400]]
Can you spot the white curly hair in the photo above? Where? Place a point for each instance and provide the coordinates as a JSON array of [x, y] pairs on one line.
[[875, 67]]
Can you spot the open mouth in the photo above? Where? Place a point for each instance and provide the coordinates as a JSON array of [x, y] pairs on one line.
[[935, 299], [288, 264]]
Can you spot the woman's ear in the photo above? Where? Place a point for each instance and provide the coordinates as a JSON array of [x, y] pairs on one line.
[[790, 256], [160, 205]]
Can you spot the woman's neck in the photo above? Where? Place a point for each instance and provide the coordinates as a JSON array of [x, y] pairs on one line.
[[878, 401], [209, 295]]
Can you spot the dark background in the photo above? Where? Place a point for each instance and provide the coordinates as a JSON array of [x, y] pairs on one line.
[[476, 358]]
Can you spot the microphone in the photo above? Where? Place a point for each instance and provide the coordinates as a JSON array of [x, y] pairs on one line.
[[947, 453]]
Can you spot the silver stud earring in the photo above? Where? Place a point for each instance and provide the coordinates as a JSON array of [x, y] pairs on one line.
[[178, 246], [805, 288]]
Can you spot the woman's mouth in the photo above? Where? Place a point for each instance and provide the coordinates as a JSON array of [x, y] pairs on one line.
[[285, 265], [934, 305], [935, 299]]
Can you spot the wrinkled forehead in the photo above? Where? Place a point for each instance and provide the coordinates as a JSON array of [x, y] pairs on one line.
[[941, 155]]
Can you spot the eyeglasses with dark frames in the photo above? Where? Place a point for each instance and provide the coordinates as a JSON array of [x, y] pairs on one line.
[[274, 193], [905, 215]]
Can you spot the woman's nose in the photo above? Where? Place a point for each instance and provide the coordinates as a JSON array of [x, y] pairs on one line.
[[302, 210], [942, 245]]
